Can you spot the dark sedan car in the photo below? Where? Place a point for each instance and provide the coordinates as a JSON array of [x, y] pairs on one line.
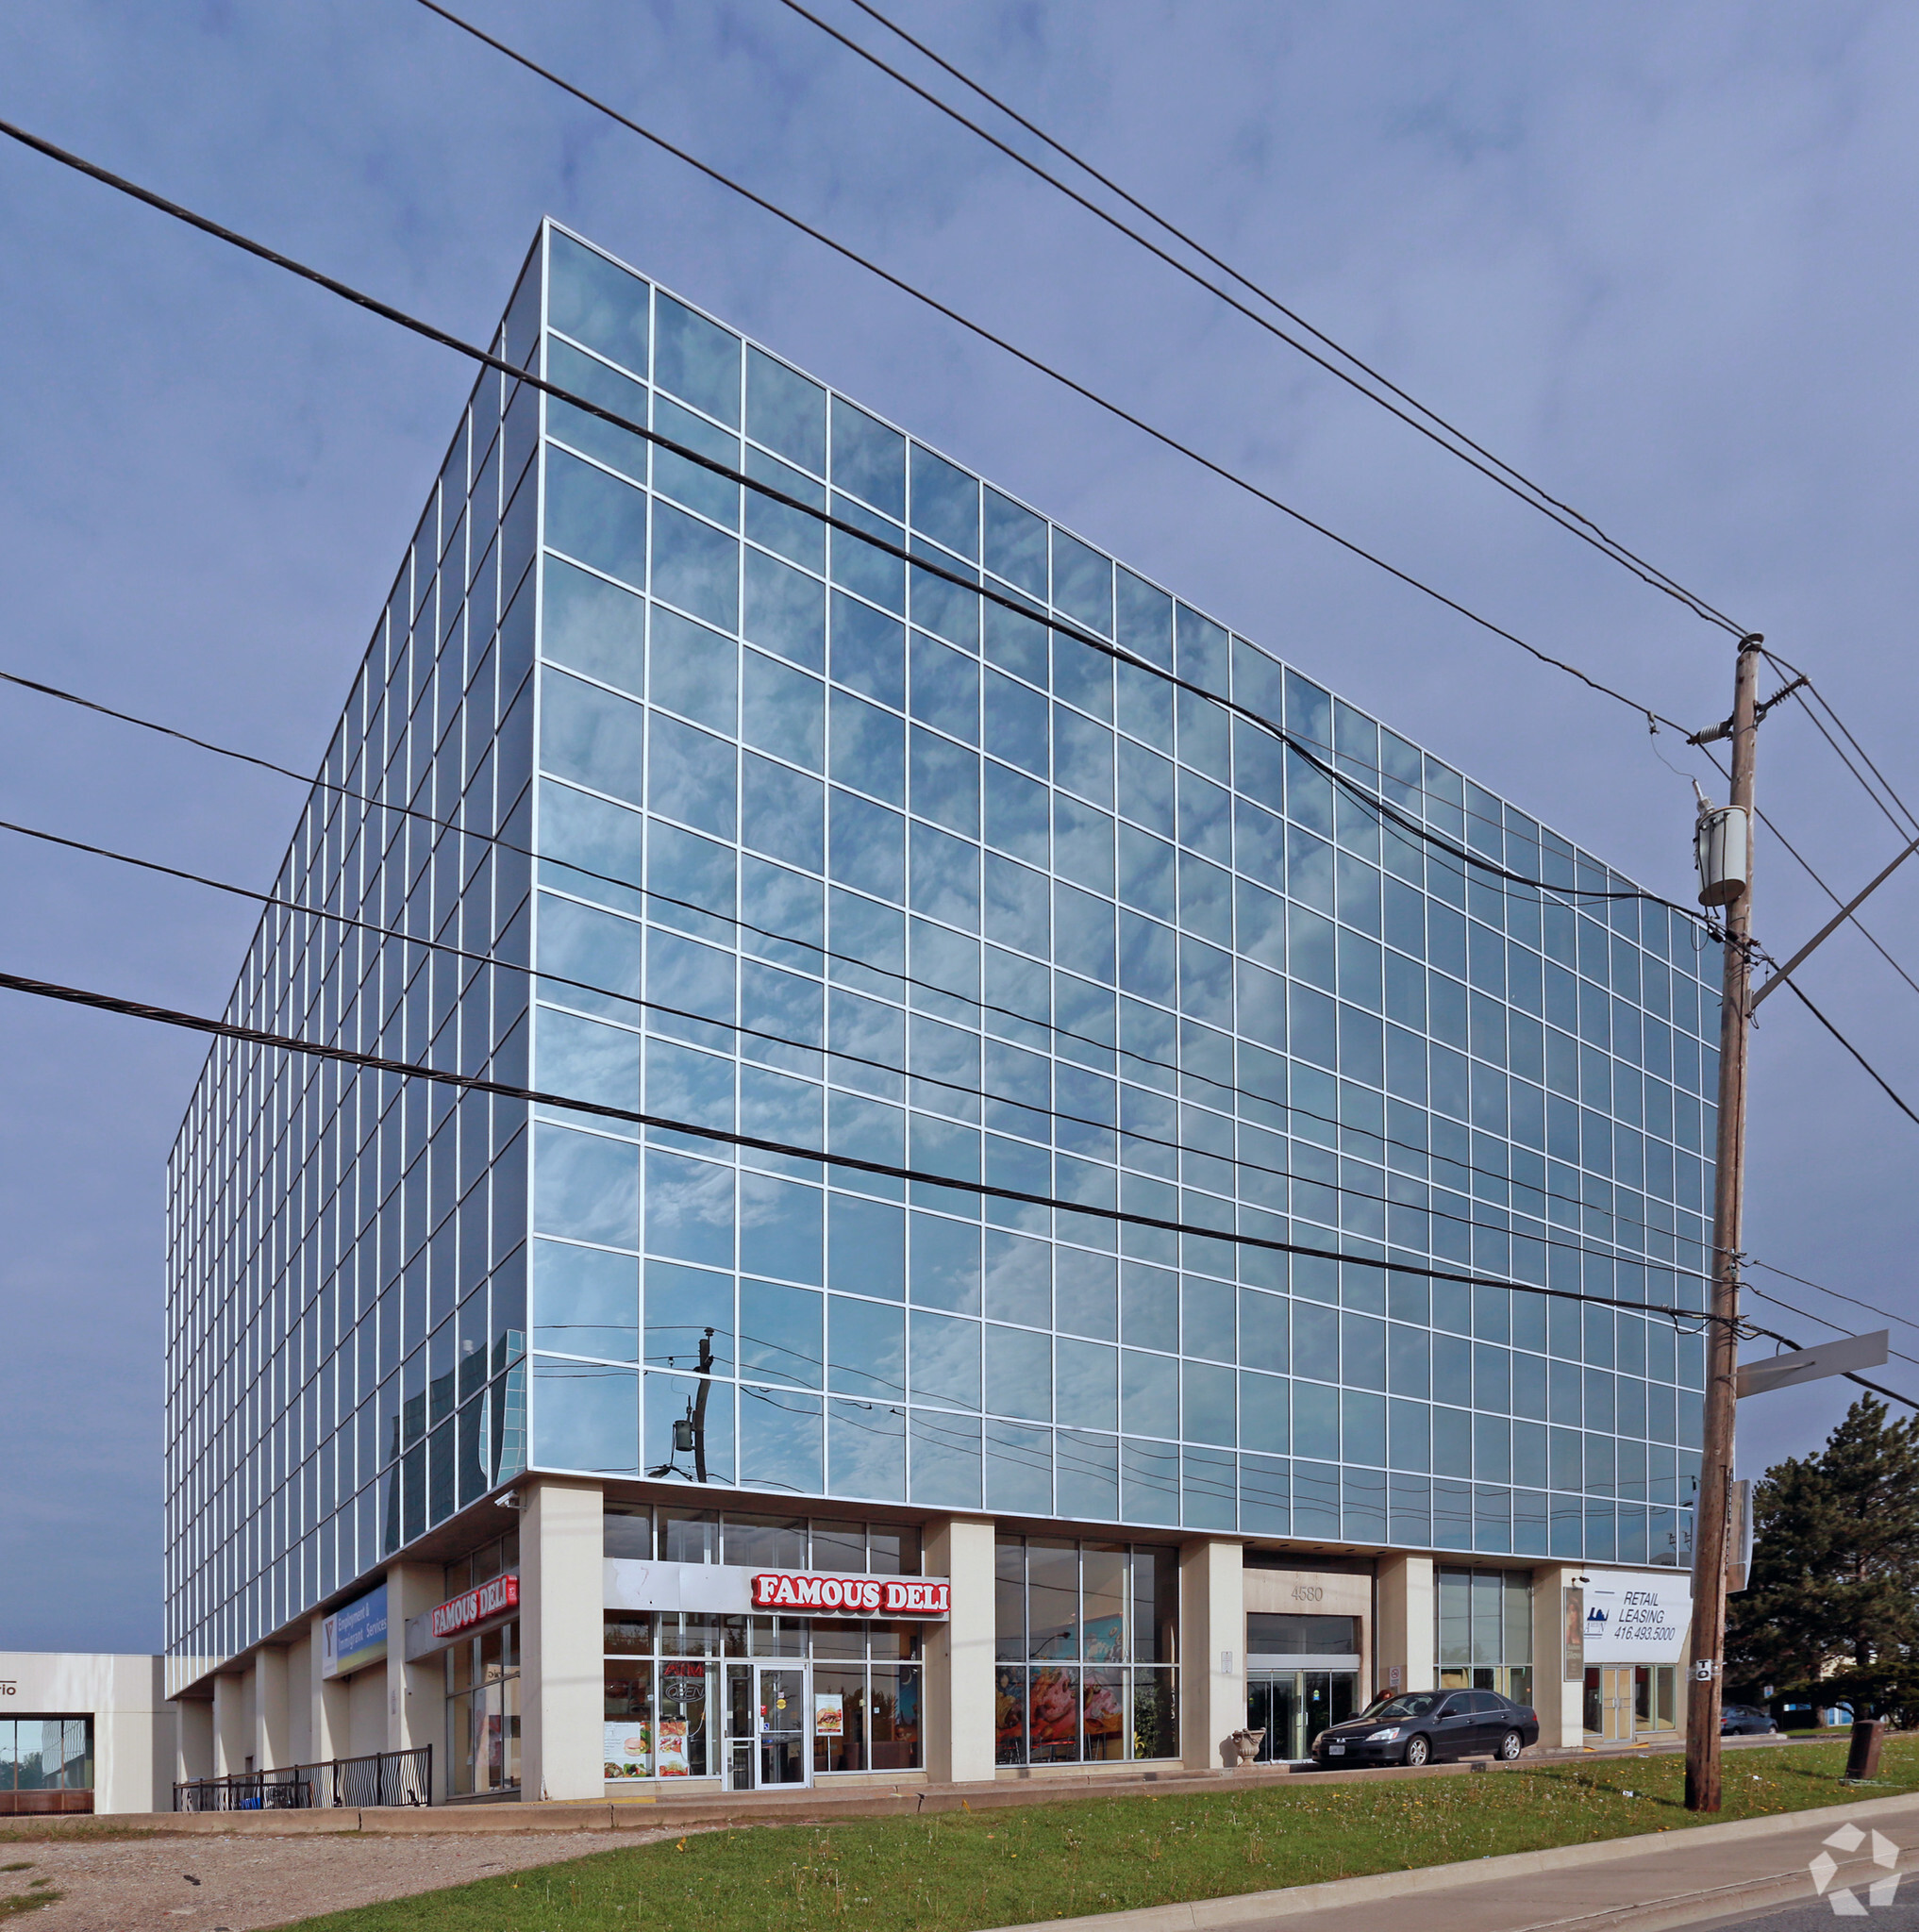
[[1421, 1726], [1744, 1721]]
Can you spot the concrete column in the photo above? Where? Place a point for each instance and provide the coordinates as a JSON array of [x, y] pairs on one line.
[[1213, 1664], [1405, 1635], [416, 1693], [1562, 1724], [232, 1723], [327, 1700], [562, 1594], [960, 1697], [273, 1741], [195, 1737]]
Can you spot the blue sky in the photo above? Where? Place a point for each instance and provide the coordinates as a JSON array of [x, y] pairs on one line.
[[1654, 256]]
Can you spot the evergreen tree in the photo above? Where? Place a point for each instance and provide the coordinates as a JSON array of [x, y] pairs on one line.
[[1831, 1607]]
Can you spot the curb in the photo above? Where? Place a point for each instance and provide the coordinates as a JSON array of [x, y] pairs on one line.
[[1252, 1909]]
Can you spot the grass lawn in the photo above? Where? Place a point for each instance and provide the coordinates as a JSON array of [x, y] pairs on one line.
[[958, 1871]]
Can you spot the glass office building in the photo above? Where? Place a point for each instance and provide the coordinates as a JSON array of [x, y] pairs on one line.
[[656, 792]]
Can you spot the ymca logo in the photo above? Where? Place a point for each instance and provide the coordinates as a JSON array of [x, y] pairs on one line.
[[1845, 1902]]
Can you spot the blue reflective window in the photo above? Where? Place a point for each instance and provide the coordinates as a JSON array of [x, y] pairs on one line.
[[866, 846], [1148, 874], [1016, 725], [595, 517], [696, 567], [1082, 583], [786, 610], [945, 690], [946, 503], [869, 459], [592, 737], [1082, 756], [868, 748], [584, 375], [782, 812], [781, 1335], [595, 626], [597, 303], [866, 1344], [782, 711], [785, 411], [692, 776], [1016, 545], [698, 361], [869, 652], [945, 877], [945, 782]]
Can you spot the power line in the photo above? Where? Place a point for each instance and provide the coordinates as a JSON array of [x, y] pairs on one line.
[[1502, 474], [1911, 821], [1806, 866], [368, 807], [1792, 1308], [474, 1083], [1797, 992], [1838, 1294], [1122, 1133], [998, 342], [915, 559]]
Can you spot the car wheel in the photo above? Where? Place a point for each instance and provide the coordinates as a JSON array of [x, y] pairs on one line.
[[1417, 1751], [1510, 1745]]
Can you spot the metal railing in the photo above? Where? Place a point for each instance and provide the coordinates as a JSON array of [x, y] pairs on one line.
[[382, 1777]]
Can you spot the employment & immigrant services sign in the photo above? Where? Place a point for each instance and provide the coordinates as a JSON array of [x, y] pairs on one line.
[[1635, 1619]]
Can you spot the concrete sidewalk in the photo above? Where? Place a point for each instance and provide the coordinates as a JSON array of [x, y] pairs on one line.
[[1690, 1878], [813, 1804]]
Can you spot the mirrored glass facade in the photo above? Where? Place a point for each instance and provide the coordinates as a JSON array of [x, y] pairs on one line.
[[836, 853]]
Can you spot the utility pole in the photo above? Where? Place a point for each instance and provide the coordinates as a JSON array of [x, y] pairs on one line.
[[1705, 1689]]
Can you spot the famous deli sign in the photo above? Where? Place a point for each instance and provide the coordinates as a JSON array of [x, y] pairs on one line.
[[850, 1596]]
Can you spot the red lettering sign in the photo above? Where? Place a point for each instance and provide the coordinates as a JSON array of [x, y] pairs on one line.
[[852, 1596], [472, 1606]]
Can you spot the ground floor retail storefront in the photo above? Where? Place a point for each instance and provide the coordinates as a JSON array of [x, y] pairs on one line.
[[607, 1645]]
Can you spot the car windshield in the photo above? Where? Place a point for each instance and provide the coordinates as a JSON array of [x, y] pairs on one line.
[[1409, 1704]]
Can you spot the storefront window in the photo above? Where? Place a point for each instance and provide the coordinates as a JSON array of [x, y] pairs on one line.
[[1484, 1631], [483, 1686], [1087, 1649], [46, 1754], [663, 1695]]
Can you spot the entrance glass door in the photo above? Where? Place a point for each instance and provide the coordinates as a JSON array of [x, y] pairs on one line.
[[1273, 1706], [1293, 1706], [784, 1757], [1611, 1704]]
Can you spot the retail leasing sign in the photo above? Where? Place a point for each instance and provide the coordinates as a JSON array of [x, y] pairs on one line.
[[1635, 1619]]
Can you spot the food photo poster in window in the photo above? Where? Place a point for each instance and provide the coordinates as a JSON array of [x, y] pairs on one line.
[[829, 1714], [628, 1749]]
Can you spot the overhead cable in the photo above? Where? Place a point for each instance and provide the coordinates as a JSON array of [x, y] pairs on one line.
[[1793, 987], [1812, 872], [1504, 474], [913, 559], [367, 806], [474, 1083], [1139, 1137], [998, 342], [1786, 1341], [1838, 1294], [1824, 1321]]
